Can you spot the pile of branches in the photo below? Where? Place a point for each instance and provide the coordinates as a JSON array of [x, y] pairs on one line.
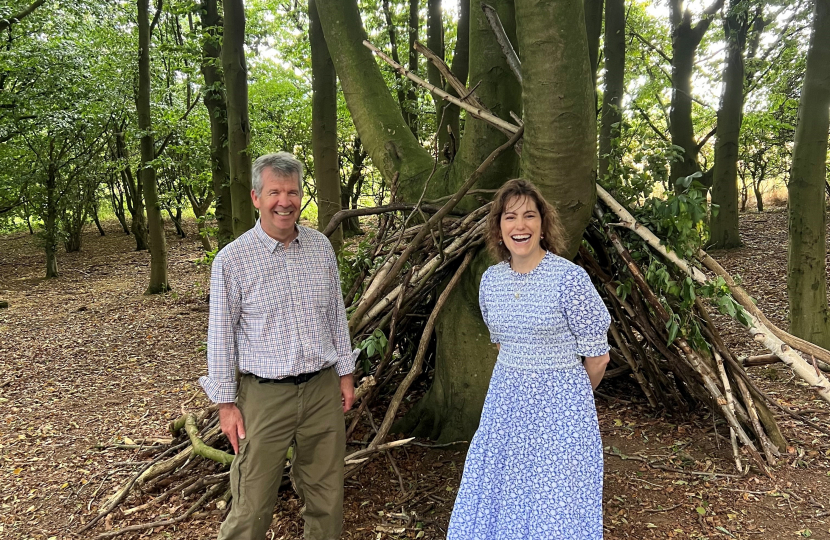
[[397, 296]]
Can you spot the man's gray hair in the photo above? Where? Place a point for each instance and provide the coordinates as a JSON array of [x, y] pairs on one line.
[[281, 163]]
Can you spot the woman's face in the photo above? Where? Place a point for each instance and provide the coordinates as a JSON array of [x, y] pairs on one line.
[[521, 227]]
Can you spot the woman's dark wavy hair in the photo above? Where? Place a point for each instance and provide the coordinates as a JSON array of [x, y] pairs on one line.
[[553, 234]]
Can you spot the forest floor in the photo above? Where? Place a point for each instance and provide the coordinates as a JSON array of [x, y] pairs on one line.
[[87, 360]]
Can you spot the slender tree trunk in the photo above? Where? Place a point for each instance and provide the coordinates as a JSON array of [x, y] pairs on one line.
[[806, 265], [724, 221], [756, 188], [95, 217], [117, 201], [685, 40], [449, 124], [51, 221], [217, 109], [411, 95], [239, 128], [158, 244], [354, 183], [435, 43], [614, 82], [177, 221], [593, 28], [136, 208], [324, 127]]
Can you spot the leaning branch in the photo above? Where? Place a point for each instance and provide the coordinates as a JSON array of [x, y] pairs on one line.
[[773, 338], [501, 36], [476, 112]]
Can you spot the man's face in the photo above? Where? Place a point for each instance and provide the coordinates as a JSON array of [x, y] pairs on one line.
[[279, 204]]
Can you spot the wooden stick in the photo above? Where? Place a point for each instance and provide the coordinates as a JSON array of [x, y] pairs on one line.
[[357, 316], [696, 362], [746, 301], [731, 404], [476, 112], [501, 36], [343, 215], [417, 363], [766, 334], [144, 526], [459, 87]]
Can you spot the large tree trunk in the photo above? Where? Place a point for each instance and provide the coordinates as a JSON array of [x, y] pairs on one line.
[[158, 245], [464, 356], [498, 89], [724, 221], [806, 267], [614, 82], [239, 128], [559, 151], [324, 127], [217, 110]]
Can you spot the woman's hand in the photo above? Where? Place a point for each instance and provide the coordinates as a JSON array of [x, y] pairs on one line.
[[595, 366]]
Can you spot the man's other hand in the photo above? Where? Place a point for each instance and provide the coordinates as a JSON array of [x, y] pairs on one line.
[[347, 391], [230, 420]]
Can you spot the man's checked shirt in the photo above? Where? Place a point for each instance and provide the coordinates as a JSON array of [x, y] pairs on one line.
[[274, 311]]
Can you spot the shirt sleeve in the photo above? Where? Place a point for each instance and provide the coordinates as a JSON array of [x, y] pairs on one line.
[[225, 301], [482, 304], [586, 314], [338, 324]]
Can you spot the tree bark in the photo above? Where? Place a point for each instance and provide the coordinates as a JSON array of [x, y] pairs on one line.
[[391, 144], [412, 96], [614, 82], [559, 151], [724, 221], [239, 127], [138, 226], [158, 245], [214, 96], [324, 127], [806, 267], [499, 90]]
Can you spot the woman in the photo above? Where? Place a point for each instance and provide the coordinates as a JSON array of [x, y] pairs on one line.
[[534, 468]]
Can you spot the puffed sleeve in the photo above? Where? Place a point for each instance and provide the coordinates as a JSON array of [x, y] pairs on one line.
[[482, 303], [586, 314]]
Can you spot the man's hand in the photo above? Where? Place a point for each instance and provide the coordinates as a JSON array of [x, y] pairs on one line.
[[230, 420], [347, 391]]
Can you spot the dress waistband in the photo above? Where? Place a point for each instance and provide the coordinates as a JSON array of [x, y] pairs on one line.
[[538, 363]]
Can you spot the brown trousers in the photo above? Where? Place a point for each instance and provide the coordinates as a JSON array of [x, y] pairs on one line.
[[275, 415]]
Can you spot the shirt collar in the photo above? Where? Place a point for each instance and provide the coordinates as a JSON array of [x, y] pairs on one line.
[[270, 243]]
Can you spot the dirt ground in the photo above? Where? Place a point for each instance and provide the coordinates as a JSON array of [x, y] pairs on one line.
[[87, 360]]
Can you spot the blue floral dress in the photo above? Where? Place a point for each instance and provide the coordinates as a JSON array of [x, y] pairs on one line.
[[534, 467]]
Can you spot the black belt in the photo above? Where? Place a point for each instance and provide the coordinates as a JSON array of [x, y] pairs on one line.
[[291, 379]]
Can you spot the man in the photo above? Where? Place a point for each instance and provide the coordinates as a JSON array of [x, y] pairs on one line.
[[277, 319]]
